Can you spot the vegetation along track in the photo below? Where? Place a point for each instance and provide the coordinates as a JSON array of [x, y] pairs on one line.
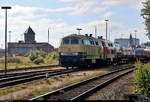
[[30, 76], [82, 90]]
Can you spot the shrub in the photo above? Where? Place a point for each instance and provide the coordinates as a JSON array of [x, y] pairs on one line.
[[27, 54], [42, 54], [38, 60], [142, 79], [33, 56], [52, 56], [14, 60]]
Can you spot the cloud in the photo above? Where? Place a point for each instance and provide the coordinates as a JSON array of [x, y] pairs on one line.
[[98, 10], [112, 2], [136, 4], [108, 14], [84, 7]]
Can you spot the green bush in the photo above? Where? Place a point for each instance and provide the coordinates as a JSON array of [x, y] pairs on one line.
[[42, 54], [33, 56], [142, 79], [38, 57], [38, 60], [27, 54], [14, 60], [53, 56]]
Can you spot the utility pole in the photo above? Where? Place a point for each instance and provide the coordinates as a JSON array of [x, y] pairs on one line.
[[9, 35], [78, 30], [135, 37], [95, 31], [48, 35], [6, 7], [48, 42], [106, 27]]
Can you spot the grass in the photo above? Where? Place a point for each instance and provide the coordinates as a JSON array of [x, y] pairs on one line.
[[10, 90], [39, 92], [25, 62], [120, 67]]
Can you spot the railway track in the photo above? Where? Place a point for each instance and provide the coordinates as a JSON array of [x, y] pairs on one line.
[[28, 68], [81, 90], [15, 79], [25, 73]]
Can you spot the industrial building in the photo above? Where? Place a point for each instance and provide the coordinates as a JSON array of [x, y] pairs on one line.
[[126, 42]]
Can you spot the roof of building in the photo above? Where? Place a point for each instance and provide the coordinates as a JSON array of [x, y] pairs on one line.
[[81, 36], [29, 31], [26, 45]]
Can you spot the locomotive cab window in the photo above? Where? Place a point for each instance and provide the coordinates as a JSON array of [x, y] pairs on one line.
[[99, 43], [111, 44], [74, 41], [96, 43], [65, 41], [86, 42], [106, 44], [92, 42]]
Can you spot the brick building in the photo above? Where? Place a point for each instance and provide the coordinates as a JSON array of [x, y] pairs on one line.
[[29, 44]]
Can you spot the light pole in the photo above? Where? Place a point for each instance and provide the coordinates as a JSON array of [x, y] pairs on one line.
[[48, 35], [79, 30], [9, 35], [6, 7], [48, 42], [95, 31], [135, 37], [106, 27]]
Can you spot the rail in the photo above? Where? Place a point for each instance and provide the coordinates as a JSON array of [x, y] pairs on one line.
[[81, 90], [28, 68], [24, 78]]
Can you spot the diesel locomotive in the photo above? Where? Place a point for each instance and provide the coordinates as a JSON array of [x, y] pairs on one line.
[[85, 50]]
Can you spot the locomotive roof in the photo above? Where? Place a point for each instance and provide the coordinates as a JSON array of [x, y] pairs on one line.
[[86, 37], [80, 36]]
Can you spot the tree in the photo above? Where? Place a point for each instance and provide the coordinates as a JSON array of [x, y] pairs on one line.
[[142, 79], [145, 13]]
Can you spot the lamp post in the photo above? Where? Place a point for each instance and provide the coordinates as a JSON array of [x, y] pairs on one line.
[[9, 35], [48, 35], [6, 7], [95, 31], [135, 37], [106, 27], [48, 42], [78, 30]]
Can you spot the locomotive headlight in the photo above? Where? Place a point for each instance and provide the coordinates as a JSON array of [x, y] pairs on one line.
[[69, 54], [75, 53], [62, 53]]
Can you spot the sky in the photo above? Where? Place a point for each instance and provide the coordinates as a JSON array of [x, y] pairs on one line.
[[63, 17]]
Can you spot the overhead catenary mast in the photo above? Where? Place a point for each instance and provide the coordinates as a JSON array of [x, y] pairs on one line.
[[95, 31], [48, 35]]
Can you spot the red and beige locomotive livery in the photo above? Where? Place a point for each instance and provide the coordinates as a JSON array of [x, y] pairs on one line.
[[83, 50]]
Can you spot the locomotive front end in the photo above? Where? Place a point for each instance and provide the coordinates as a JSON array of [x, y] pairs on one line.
[[71, 52]]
